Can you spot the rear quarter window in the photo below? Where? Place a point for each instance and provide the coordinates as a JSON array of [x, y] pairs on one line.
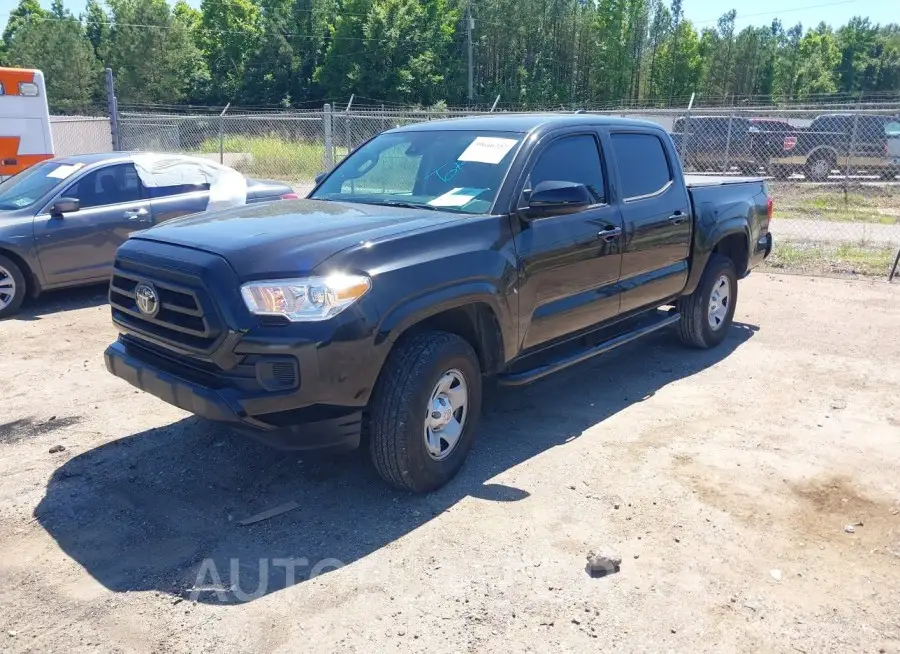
[[643, 165]]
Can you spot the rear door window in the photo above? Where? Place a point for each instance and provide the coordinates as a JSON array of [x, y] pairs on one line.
[[644, 168]]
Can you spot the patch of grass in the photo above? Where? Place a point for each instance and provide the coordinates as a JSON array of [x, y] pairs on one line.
[[866, 204], [829, 201], [275, 157], [832, 260], [836, 216], [867, 260]]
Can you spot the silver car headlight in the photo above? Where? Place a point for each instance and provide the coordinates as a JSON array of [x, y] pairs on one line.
[[306, 299]]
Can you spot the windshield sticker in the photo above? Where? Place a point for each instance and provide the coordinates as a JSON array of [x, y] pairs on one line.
[[457, 197], [487, 149], [22, 202], [64, 171]]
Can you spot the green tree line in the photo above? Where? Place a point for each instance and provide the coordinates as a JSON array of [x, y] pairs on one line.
[[538, 53]]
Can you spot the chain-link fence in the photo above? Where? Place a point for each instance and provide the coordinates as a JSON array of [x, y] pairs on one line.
[[833, 172], [834, 177]]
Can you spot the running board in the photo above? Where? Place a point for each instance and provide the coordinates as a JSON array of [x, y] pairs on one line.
[[528, 376]]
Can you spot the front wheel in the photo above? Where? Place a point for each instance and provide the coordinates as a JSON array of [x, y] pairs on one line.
[[12, 287], [424, 412], [707, 313]]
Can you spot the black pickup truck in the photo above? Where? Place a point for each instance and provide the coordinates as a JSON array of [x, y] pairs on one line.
[[852, 143], [433, 257]]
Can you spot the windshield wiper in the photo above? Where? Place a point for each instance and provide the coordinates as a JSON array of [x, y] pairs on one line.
[[403, 205]]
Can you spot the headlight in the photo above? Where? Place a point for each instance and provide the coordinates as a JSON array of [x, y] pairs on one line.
[[307, 299]]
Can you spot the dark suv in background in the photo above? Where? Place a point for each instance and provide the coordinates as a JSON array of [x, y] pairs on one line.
[[714, 143]]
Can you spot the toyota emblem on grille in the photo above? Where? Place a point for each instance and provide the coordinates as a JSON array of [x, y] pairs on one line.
[[147, 299]]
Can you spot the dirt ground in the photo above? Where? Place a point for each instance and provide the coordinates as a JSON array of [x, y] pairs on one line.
[[725, 480]]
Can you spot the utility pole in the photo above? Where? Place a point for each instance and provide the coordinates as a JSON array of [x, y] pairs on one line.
[[470, 25]]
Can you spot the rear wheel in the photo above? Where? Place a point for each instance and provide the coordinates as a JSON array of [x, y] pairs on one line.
[[819, 167], [425, 409], [707, 313], [12, 287]]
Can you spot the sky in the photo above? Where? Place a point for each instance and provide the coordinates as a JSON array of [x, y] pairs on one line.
[[704, 12]]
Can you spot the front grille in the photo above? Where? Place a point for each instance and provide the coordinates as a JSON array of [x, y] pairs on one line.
[[182, 318]]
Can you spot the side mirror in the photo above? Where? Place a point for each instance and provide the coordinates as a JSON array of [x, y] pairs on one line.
[[553, 198], [65, 205], [320, 177]]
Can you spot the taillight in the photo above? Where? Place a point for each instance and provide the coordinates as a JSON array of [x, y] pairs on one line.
[[770, 208], [790, 142], [290, 196]]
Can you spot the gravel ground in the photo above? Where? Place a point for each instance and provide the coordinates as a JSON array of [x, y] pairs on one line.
[[724, 479]]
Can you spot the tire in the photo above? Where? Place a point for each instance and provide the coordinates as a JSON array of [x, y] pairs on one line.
[[403, 407], [12, 287], [695, 327], [819, 167]]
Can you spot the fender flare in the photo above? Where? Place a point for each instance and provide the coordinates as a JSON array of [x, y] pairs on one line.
[[823, 148], [702, 251], [411, 311]]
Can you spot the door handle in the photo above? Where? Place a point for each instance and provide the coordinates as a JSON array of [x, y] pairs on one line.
[[137, 214], [677, 218], [610, 234]]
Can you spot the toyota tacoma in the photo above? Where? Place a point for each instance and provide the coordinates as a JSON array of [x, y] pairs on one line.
[[434, 257]]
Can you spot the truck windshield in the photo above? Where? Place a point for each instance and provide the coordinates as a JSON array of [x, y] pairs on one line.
[[29, 186], [446, 170]]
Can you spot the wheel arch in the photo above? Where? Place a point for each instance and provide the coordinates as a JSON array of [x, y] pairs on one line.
[[827, 150], [32, 283], [475, 312], [731, 239]]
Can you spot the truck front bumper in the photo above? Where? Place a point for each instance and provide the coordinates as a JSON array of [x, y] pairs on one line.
[[315, 427]]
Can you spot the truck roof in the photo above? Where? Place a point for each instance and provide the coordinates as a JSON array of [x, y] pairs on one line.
[[522, 123]]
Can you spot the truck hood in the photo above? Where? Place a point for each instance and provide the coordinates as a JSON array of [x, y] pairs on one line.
[[289, 237]]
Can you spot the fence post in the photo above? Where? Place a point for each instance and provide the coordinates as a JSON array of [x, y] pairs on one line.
[[222, 134], [850, 151], [347, 123], [329, 141], [687, 131], [113, 108], [347, 132], [728, 143]]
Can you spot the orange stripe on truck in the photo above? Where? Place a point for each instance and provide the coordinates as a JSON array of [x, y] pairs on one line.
[[10, 78], [11, 162]]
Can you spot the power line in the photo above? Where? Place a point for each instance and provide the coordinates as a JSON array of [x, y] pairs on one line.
[[779, 11]]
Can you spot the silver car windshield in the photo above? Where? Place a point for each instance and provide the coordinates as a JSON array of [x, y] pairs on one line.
[[450, 170], [29, 186]]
